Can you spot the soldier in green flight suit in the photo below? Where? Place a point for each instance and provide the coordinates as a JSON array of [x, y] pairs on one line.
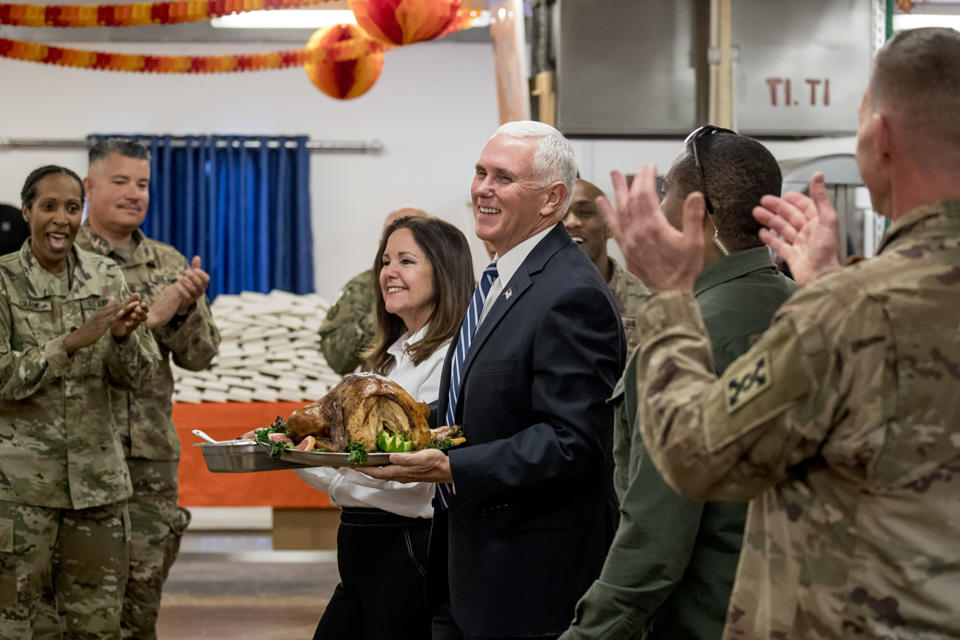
[[68, 327], [179, 318], [670, 569]]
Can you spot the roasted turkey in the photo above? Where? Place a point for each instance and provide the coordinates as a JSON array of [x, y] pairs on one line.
[[356, 410]]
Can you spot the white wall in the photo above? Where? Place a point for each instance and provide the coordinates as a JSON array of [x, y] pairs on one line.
[[433, 108]]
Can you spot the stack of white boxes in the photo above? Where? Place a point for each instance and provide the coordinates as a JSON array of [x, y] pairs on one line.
[[269, 352]]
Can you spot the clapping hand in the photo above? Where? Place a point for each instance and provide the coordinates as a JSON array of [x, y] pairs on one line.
[[132, 315], [177, 297], [193, 283], [120, 320], [656, 252], [806, 230]]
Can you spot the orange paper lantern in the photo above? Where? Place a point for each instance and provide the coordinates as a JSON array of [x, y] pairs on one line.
[[399, 22], [342, 62]]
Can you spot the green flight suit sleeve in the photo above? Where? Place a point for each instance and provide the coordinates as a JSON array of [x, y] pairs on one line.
[[650, 551]]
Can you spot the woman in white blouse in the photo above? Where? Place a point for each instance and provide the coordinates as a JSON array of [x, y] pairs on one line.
[[424, 275]]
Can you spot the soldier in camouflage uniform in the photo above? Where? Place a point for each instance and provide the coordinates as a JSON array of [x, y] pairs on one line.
[[63, 520], [351, 322], [588, 229], [840, 423], [181, 324], [670, 569]]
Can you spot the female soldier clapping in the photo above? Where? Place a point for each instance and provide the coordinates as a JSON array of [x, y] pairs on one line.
[[68, 328]]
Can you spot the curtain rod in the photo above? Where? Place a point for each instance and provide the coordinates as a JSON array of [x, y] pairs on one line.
[[318, 146]]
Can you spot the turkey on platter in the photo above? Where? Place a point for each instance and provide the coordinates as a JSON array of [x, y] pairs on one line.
[[357, 410]]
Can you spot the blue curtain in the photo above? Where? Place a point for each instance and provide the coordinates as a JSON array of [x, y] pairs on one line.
[[241, 203]]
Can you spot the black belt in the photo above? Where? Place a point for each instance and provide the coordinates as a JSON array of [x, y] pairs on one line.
[[373, 516]]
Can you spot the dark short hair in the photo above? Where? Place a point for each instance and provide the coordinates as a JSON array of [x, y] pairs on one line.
[[448, 251], [738, 171], [917, 74], [28, 193], [124, 146]]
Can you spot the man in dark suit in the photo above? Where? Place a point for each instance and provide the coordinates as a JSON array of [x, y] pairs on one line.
[[525, 511]]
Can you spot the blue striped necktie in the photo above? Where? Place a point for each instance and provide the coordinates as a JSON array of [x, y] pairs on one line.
[[467, 330]]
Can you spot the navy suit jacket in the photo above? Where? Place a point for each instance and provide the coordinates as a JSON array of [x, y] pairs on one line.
[[534, 510]]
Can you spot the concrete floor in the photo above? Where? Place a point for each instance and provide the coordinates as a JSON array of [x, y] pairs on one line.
[[234, 586]]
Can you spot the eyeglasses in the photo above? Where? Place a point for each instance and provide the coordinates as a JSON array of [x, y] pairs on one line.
[[691, 141]]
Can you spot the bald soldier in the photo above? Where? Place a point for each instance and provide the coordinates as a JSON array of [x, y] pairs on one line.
[[588, 229], [351, 322], [840, 423]]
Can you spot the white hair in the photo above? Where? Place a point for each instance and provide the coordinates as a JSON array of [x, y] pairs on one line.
[[554, 158]]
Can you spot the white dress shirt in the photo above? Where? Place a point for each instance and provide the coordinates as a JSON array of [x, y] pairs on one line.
[[350, 488], [507, 265]]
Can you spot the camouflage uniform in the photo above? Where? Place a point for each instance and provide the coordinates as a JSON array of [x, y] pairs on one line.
[[63, 480], [629, 293], [350, 324], [149, 436], [841, 424]]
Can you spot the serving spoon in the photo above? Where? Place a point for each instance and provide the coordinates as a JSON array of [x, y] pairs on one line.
[[203, 435]]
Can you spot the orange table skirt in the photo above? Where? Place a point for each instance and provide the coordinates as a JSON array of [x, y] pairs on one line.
[[224, 421]]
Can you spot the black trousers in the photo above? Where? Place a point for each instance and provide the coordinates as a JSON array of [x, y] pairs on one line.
[[381, 557]]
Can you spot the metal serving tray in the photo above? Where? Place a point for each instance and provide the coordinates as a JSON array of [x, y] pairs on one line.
[[241, 456], [329, 458]]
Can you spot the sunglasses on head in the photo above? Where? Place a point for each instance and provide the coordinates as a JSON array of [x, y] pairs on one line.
[[695, 136]]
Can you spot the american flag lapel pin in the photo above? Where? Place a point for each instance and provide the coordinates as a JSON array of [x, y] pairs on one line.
[[507, 294]]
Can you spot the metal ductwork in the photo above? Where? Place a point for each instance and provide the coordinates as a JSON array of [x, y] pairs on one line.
[[630, 68]]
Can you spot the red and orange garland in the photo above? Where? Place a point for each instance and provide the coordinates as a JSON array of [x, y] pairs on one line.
[[341, 51], [132, 15], [101, 60], [342, 61]]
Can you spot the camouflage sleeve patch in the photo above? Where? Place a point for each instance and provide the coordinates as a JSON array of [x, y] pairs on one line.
[[750, 380], [758, 386]]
